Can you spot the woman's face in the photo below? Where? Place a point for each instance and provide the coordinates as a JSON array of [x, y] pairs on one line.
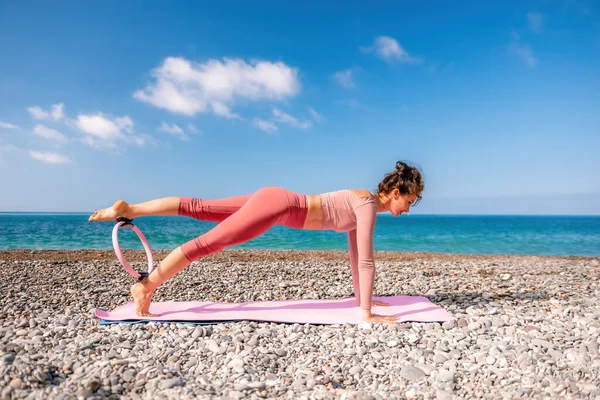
[[400, 203]]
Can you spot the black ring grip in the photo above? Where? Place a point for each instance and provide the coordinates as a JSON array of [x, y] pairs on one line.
[[127, 221]]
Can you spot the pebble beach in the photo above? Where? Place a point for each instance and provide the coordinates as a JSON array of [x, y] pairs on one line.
[[525, 327]]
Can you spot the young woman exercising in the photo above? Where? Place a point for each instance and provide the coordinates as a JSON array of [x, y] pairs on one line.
[[242, 218]]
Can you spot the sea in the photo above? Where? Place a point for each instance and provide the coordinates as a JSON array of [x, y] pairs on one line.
[[459, 234]]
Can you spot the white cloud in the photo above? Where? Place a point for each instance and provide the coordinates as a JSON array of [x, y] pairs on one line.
[[113, 146], [173, 129], [49, 133], [316, 116], [99, 126], [522, 51], [98, 144], [182, 86], [288, 119], [37, 112], [192, 128], [6, 125], [222, 110], [103, 132], [264, 125], [51, 158], [389, 49], [56, 113], [142, 140], [344, 78], [535, 20]]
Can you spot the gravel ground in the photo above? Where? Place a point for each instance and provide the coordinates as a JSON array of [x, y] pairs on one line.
[[526, 327]]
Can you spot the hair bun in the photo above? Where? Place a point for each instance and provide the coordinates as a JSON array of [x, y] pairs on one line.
[[406, 178]]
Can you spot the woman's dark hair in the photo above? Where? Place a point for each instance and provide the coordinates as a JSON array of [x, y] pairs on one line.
[[406, 178]]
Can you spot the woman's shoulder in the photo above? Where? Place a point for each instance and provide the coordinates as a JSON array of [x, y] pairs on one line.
[[352, 197], [360, 198], [361, 193]]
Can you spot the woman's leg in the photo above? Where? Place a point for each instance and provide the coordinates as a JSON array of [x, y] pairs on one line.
[[263, 209], [202, 209], [142, 291]]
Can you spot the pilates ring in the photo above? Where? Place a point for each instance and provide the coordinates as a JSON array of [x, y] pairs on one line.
[[123, 222]]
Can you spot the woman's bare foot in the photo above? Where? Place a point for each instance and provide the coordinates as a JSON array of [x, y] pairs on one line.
[[119, 209], [142, 298]]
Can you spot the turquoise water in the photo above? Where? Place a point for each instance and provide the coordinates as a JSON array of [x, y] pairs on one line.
[[533, 235]]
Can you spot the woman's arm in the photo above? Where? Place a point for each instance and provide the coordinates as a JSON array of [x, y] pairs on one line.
[[352, 249], [365, 227], [366, 214]]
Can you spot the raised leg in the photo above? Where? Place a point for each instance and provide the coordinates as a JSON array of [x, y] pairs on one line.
[[202, 209]]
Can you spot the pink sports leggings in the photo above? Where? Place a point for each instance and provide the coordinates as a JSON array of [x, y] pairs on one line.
[[241, 218]]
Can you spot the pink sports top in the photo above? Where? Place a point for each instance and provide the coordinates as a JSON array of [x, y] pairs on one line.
[[343, 211]]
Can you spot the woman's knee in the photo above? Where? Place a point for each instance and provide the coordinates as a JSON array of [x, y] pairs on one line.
[[269, 191], [272, 194]]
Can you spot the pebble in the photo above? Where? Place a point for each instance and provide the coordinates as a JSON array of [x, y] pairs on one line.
[[411, 373], [170, 383], [356, 370], [522, 329], [446, 376], [443, 395]]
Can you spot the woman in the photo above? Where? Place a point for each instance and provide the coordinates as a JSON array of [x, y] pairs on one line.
[[242, 218]]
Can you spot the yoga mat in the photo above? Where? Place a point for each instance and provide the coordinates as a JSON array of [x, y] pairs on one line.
[[141, 321], [324, 312]]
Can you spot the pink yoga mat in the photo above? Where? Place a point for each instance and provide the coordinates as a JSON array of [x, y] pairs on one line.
[[327, 312]]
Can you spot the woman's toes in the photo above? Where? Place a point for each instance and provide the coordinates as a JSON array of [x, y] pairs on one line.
[[147, 314]]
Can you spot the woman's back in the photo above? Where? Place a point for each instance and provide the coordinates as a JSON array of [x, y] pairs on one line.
[[339, 208]]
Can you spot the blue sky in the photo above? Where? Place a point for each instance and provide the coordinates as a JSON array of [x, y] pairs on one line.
[[497, 102]]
